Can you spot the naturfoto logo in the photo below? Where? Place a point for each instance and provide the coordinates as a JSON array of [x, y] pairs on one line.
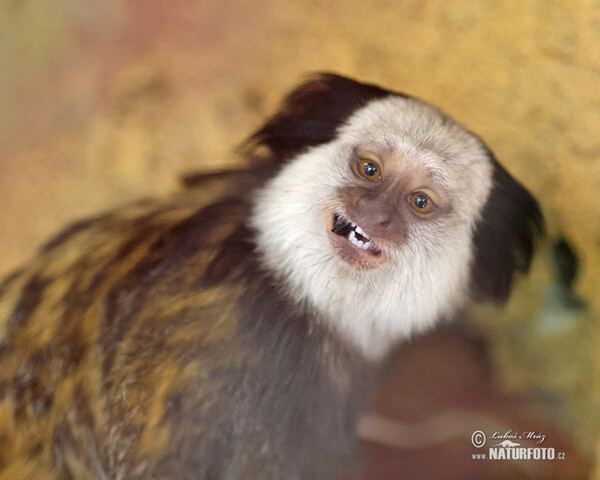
[[509, 449]]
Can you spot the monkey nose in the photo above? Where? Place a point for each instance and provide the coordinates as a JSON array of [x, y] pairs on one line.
[[378, 215], [380, 222]]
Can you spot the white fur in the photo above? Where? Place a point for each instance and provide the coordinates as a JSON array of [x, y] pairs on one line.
[[427, 277]]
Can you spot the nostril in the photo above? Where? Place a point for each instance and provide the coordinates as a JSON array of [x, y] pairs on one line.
[[385, 224]]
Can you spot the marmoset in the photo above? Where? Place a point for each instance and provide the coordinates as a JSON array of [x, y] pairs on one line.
[[236, 329]]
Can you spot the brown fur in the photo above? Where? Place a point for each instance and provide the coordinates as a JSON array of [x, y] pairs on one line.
[[133, 347], [152, 343]]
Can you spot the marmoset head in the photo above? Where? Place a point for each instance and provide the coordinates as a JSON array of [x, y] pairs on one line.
[[383, 214]]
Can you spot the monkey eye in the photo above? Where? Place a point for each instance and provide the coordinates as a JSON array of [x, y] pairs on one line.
[[369, 169], [421, 203]]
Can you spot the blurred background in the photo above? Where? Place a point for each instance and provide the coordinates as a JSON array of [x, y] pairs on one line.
[[106, 101]]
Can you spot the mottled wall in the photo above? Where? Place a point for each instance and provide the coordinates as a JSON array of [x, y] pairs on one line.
[[105, 101]]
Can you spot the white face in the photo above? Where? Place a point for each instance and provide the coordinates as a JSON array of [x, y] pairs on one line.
[[401, 186]]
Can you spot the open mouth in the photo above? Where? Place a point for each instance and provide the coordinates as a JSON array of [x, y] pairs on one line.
[[355, 235]]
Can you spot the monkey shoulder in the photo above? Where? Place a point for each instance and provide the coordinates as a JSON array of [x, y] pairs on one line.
[[150, 342], [102, 334]]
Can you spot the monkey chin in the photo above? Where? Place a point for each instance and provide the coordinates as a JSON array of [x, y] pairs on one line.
[[351, 244]]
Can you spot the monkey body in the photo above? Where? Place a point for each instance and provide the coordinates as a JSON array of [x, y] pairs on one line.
[[154, 354], [236, 332]]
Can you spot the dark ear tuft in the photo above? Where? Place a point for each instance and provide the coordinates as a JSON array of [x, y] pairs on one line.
[[311, 113], [505, 237]]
